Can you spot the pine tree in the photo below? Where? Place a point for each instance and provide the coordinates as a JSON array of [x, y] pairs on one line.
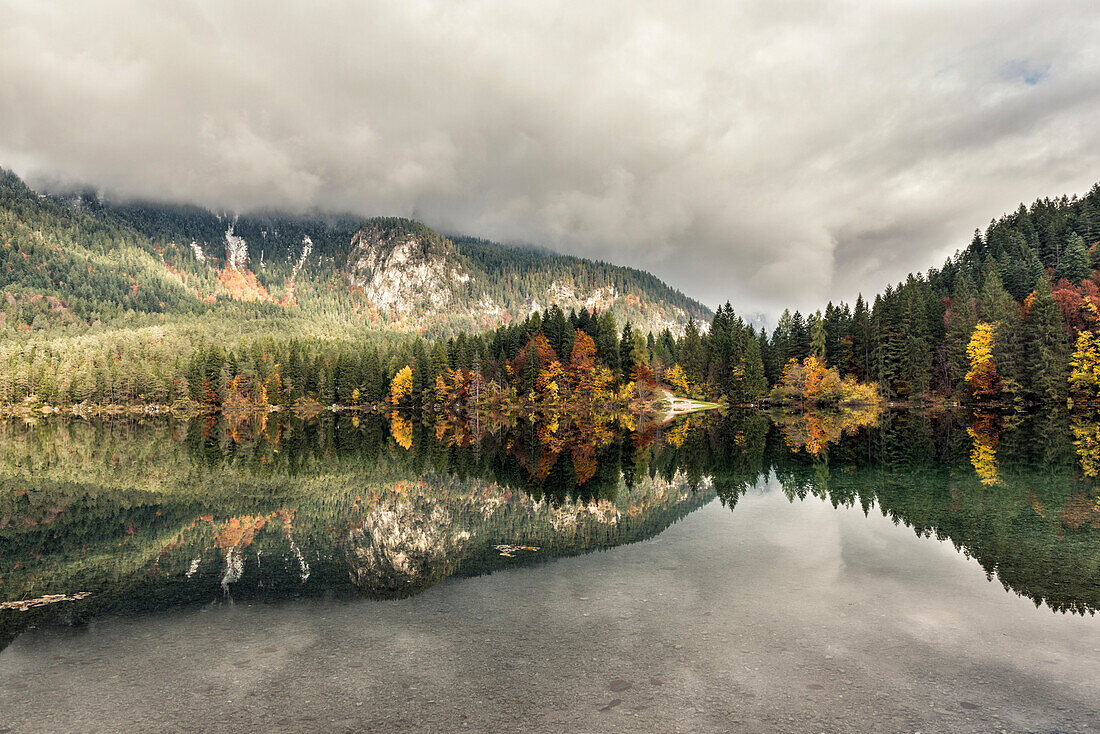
[[607, 342], [860, 363], [692, 357], [1074, 265], [998, 308], [626, 346], [764, 350], [756, 384], [963, 316], [916, 363], [1045, 348], [800, 338], [817, 336]]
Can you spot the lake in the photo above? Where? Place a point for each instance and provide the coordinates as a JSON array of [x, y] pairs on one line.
[[747, 572]]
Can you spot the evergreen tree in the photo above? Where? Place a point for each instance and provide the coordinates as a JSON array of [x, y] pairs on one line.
[[916, 362], [607, 342], [692, 358], [860, 363], [1074, 265], [1045, 349], [781, 345], [817, 336], [800, 338], [626, 348], [999, 308], [963, 317]]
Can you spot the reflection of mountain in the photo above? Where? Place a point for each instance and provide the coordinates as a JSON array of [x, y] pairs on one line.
[[321, 512], [145, 516]]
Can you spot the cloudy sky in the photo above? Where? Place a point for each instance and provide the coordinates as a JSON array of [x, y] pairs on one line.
[[773, 153]]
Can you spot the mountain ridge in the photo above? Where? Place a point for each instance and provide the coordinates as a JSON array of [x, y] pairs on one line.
[[184, 259]]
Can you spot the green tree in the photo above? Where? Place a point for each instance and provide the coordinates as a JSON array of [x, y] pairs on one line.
[[1045, 348], [1074, 265], [817, 336]]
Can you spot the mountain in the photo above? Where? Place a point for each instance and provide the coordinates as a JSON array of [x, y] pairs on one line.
[[102, 260]]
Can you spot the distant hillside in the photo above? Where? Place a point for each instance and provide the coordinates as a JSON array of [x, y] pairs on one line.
[[99, 259]]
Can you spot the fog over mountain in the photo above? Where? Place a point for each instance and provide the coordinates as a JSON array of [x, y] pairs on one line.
[[771, 153]]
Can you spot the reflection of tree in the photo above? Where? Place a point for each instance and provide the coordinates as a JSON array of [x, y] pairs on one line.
[[551, 454], [178, 515], [131, 495], [983, 456], [401, 429], [813, 431], [1081, 509], [1086, 435]]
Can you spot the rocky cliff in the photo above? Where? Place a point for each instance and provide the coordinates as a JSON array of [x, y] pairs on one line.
[[413, 273], [402, 266]]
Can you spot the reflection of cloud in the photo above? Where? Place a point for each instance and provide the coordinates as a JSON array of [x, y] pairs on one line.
[[729, 148]]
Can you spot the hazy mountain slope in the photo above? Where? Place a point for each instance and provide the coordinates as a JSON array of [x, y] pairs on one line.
[[103, 258]]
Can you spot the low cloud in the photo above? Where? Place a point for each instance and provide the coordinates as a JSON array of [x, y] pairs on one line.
[[769, 153]]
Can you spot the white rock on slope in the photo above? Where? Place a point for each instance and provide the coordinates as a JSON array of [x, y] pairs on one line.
[[399, 271]]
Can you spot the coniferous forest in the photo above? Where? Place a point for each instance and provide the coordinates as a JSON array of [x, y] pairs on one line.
[[132, 304]]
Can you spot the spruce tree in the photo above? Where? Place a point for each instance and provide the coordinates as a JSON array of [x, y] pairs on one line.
[[1046, 352], [963, 317], [626, 346], [756, 384], [998, 308], [860, 362], [1074, 265], [817, 336], [691, 352], [800, 337], [916, 362], [607, 342]]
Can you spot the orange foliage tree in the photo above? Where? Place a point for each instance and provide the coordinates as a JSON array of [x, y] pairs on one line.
[[582, 367], [812, 382]]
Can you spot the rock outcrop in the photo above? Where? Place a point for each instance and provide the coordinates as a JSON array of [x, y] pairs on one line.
[[402, 266]]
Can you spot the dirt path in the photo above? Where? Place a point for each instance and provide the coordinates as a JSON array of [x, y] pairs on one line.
[[683, 406]]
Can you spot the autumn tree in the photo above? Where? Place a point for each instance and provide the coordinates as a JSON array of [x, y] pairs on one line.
[[582, 364], [982, 376], [401, 386], [677, 379], [1084, 378]]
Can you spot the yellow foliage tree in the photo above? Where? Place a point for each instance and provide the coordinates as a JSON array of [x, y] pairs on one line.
[[983, 453], [402, 385], [982, 376], [550, 379], [676, 377], [401, 430], [1085, 363], [1087, 442]]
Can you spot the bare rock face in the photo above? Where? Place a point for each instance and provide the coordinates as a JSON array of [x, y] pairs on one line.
[[402, 266], [403, 548]]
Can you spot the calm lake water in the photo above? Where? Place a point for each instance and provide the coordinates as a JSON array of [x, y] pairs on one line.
[[739, 573]]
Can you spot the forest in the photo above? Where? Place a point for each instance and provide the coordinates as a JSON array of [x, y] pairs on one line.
[[103, 304], [1011, 320]]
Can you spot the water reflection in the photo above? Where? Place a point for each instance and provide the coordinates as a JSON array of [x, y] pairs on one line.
[[145, 515]]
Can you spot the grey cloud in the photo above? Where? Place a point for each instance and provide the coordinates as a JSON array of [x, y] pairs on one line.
[[769, 153]]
